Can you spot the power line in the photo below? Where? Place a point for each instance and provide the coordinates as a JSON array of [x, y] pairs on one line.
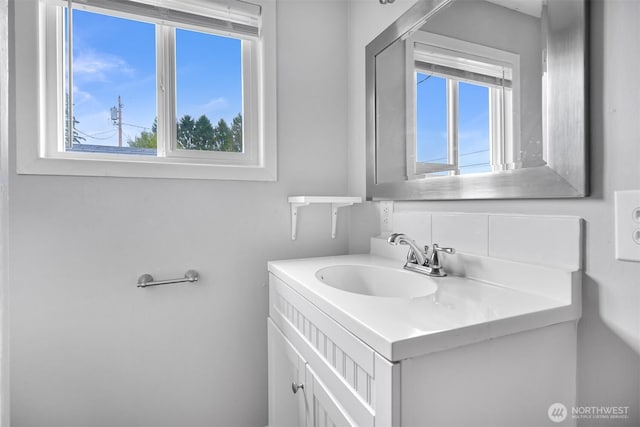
[[99, 132], [459, 155], [474, 164], [95, 137], [425, 79], [136, 126]]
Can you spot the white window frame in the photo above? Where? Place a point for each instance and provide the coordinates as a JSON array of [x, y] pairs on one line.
[[422, 49], [39, 92]]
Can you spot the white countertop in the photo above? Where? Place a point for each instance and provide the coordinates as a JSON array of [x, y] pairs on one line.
[[464, 310]]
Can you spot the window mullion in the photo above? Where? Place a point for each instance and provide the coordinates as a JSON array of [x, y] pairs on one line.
[[53, 111], [69, 95], [498, 150], [166, 92], [250, 99], [452, 124]]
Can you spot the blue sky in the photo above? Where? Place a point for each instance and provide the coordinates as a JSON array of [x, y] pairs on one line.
[[473, 131], [116, 57]]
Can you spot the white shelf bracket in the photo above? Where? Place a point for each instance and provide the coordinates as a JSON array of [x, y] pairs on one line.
[[294, 218], [336, 202], [334, 216]]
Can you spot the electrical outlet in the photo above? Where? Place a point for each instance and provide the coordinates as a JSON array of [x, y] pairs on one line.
[[386, 216], [627, 207]]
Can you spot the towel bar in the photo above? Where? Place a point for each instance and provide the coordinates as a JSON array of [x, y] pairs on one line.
[[146, 280]]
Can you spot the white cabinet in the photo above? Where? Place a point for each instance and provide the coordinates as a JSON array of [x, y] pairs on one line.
[[346, 382], [297, 396], [509, 381], [287, 404], [324, 409]]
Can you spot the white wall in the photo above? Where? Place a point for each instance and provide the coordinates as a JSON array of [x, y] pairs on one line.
[[4, 211], [89, 348], [609, 331]]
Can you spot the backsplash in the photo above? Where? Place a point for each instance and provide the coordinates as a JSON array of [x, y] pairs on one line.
[[554, 241]]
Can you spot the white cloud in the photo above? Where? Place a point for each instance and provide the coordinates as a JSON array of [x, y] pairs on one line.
[[99, 66], [80, 97], [216, 104]]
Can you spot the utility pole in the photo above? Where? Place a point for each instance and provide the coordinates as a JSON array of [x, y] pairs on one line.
[[119, 122], [116, 118]]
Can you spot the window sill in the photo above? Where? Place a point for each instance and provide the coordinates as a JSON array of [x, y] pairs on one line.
[[146, 168]]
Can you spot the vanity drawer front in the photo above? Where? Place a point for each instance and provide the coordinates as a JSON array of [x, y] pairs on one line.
[[343, 363], [324, 408]]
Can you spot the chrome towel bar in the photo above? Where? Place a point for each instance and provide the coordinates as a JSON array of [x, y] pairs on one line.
[[147, 280]]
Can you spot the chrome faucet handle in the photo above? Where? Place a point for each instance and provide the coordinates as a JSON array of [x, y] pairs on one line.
[[427, 261], [445, 250], [435, 260]]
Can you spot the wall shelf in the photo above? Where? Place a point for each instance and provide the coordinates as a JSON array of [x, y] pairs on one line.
[[336, 202]]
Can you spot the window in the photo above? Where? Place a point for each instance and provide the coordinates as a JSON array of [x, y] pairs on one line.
[[460, 103], [128, 88]]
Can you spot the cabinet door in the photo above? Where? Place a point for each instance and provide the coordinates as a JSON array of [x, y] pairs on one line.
[[324, 409], [287, 404]]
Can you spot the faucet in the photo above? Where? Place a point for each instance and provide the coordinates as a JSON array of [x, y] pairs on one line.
[[415, 254], [419, 261]]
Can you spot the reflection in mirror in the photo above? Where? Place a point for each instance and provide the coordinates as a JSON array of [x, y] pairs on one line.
[[460, 98], [465, 93]]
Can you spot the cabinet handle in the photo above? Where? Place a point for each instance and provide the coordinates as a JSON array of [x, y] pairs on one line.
[[295, 387]]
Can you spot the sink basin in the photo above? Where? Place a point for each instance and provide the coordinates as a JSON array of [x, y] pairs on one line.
[[377, 281]]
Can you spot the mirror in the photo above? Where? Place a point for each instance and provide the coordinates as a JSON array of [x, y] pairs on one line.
[[472, 99]]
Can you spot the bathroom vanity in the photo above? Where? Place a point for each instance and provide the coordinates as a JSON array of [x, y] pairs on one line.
[[357, 340]]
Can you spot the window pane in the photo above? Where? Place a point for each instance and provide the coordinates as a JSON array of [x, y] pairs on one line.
[[114, 85], [473, 131], [431, 119], [209, 92]]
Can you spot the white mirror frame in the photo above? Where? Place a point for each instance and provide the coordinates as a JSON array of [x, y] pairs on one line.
[[566, 172]]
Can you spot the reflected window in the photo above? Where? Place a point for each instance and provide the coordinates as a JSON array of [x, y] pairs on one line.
[[474, 140], [461, 104], [431, 114]]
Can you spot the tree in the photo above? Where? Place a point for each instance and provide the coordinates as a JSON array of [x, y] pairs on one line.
[[223, 140], [197, 135], [203, 134], [145, 140], [236, 133], [186, 127]]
